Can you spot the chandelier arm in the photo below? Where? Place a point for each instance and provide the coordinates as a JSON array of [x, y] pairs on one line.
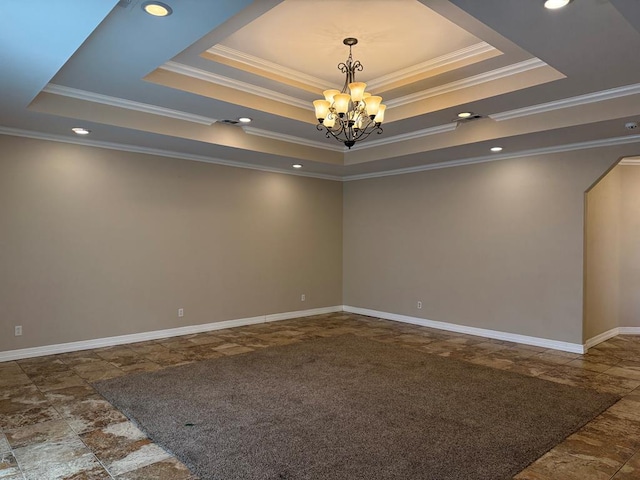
[[335, 133], [358, 132], [331, 134], [350, 134], [364, 134]]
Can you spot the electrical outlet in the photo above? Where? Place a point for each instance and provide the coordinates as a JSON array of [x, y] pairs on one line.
[[18, 330], [180, 312], [303, 297], [419, 305]]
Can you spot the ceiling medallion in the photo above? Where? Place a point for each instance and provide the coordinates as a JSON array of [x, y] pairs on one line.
[[346, 117]]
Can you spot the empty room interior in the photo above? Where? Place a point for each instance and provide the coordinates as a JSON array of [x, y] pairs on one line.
[[337, 239]]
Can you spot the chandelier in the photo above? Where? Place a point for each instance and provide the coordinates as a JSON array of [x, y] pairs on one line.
[[352, 117]]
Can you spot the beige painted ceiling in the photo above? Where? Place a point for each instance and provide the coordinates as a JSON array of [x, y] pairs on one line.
[[393, 35], [541, 80]]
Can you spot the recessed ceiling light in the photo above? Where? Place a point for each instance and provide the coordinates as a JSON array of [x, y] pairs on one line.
[[245, 120], [157, 9], [496, 149], [80, 131], [554, 4], [464, 114], [297, 165]]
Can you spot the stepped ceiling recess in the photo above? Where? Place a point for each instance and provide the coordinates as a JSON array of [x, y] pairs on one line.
[[541, 80]]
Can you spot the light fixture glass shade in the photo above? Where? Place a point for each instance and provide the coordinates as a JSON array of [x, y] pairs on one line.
[[357, 90], [379, 118], [322, 108], [373, 103], [341, 102], [329, 94], [330, 121]]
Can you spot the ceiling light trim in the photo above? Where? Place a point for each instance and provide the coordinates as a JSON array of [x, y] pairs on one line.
[[267, 66], [579, 100], [497, 74], [15, 132], [210, 77], [432, 64], [607, 142], [127, 104]]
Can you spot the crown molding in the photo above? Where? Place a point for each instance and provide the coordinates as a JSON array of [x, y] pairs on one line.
[[630, 161], [568, 102], [377, 83], [127, 104], [15, 132], [258, 132], [607, 142], [430, 65], [210, 77], [403, 137], [358, 146], [473, 81], [267, 66]]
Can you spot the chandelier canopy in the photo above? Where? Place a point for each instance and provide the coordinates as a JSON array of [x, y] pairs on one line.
[[349, 117]]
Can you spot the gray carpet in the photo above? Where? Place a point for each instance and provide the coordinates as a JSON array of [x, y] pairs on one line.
[[351, 408]]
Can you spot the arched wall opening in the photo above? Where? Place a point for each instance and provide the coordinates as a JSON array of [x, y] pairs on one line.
[[612, 254]]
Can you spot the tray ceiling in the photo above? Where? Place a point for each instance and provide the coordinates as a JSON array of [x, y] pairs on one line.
[[166, 84]]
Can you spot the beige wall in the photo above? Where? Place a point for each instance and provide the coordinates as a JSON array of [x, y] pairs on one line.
[[630, 247], [602, 259], [96, 243], [612, 279], [496, 245]]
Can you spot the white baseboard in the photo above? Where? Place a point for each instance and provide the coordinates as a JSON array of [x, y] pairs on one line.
[[614, 332], [157, 334], [604, 336], [480, 332], [276, 317], [206, 327], [629, 331]]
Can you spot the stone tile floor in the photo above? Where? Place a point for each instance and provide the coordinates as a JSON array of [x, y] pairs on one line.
[[53, 424]]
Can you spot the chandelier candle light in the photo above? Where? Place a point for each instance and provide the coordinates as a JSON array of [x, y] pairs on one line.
[[346, 117]]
